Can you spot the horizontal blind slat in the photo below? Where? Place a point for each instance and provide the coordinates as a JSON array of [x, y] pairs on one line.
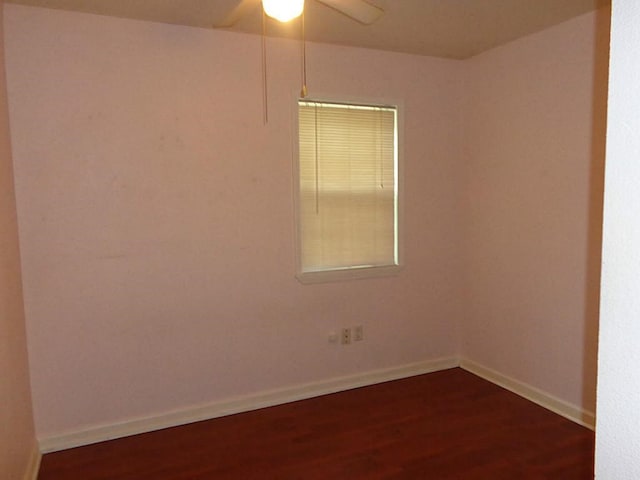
[[347, 186]]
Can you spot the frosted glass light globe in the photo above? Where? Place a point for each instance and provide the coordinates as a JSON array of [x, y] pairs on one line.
[[283, 10]]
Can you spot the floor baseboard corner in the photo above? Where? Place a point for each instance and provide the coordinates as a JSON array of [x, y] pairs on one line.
[[571, 412]]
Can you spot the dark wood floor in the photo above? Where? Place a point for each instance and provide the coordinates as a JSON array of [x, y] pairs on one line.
[[444, 425]]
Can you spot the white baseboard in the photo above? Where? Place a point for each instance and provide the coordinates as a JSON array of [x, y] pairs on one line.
[[556, 405], [96, 434], [33, 467]]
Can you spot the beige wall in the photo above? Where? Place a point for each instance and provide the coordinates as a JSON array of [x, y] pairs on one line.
[[534, 144], [17, 436], [157, 221]]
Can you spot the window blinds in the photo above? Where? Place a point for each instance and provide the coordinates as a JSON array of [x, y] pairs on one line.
[[348, 186]]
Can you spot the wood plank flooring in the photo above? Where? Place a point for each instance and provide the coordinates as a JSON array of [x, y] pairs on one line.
[[444, 425]]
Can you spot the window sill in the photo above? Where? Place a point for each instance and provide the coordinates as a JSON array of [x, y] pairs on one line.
[[347, 274]]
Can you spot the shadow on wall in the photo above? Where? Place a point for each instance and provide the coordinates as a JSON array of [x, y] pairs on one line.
[[596, 192]]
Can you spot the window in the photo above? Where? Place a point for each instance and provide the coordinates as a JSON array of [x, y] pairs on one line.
[[348, 190]]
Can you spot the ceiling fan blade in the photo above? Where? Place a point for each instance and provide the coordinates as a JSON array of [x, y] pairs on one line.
[[241, 8], [360, 10]]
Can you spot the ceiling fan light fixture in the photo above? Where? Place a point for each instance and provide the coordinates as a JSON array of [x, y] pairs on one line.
[[283, 10]]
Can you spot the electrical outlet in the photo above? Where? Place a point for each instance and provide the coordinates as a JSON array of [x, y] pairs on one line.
[[358, 333], [346, 336]]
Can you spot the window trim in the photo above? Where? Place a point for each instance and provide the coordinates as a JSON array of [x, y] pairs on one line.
[[353, 273]]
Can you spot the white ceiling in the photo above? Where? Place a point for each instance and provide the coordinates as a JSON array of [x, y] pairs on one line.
[[443, 28]]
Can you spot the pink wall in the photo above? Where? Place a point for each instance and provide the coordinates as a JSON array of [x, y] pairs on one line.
[[534, 145], [17, 435], [156, 217]]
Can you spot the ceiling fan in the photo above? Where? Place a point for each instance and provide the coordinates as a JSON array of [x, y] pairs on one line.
[[284, 10], [359, 10]]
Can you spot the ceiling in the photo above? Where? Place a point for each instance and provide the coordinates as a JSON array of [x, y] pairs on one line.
[[442, 28]]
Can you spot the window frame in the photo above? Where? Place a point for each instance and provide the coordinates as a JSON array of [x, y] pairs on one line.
[[349, 273]]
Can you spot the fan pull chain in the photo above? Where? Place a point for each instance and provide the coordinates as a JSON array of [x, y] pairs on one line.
[[265, 99], [317, 166], [303, 92], [381, 147]]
